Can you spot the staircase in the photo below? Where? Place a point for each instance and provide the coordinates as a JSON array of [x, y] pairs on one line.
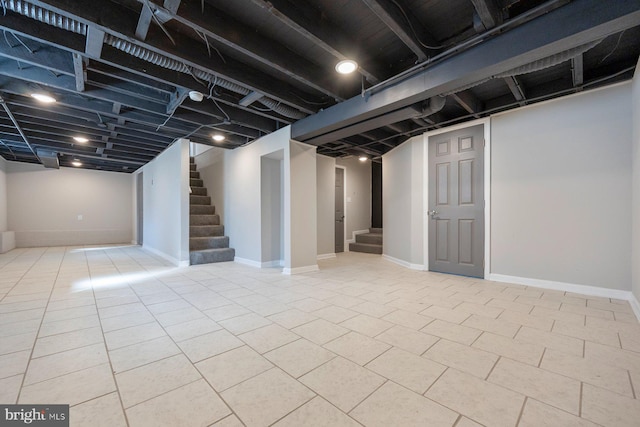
[[370, 243], [207, 242]]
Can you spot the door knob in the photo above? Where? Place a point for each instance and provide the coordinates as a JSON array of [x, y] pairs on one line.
[[432, 214]]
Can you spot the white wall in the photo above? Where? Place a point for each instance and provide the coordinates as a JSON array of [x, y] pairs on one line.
[[242, 190], [166, 204], [3, 195], [272, 208], [561, 190], [358, 192], [326, 177], [44, 205], [303, 206], [402, 202], [7, 238], [210, 161], [635, 251]]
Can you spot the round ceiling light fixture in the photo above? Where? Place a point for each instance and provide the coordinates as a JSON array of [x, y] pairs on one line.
[[43, 97], [346, 66], [218, 137], [196, 96], [363, 158], [80, 139]]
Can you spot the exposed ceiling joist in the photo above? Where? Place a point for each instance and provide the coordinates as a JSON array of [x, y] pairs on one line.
[[331, 41], [467, 100], [118, 21], [80, 72], [215, 26], [488, 13], [390, 13], [572, 25], [577, 70], [517, 89]]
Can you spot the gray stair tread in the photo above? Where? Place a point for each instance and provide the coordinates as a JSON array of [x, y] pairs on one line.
[[366, 245], [206, 256], [366, 248], [375, 231]]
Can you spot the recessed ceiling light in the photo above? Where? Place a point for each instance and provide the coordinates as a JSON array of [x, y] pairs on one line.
[[363, 158], [81, 139], [218, 138], [44, 98], [346, 66], [77, 163]]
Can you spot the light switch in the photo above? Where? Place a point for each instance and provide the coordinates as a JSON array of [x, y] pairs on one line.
[[348, 199], [80, 218]]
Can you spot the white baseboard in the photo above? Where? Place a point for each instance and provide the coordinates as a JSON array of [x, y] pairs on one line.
[[248, 262], [635, 305], [571, 287], [326, 256], [403, 263], [272, 264], [300, 270], [172, 260]]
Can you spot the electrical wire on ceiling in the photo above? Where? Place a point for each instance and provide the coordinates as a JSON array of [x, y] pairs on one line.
[[157, 21], [204, 37], [413, 30], [614, 48], [57, 20], [213, 85]]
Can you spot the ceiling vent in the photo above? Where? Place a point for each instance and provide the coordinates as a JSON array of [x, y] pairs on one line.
[[49, 159]]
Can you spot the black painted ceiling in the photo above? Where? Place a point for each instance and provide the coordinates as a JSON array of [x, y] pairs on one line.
[[121, 70]]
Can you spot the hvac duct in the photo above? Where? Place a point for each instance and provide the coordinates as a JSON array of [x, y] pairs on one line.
[[49, 159], [60, 21]]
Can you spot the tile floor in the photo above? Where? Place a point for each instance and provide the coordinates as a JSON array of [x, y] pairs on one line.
[[126, 339]]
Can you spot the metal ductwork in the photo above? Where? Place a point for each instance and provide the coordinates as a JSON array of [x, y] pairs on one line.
[[549, 61], [49, 158], [434, 105], [534, 66], [60, 21]]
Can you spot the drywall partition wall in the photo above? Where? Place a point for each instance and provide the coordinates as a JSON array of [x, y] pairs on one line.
[[272, 207], [326, 178], [402, 203], [561, 190], [303, 236], [242, 190], [67, 206], [210, 162], [358, 194], [635, 149], [3, 195], [7, 238], [166, 204]]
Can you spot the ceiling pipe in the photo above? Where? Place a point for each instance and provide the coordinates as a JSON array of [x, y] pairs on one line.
[[17, 125]]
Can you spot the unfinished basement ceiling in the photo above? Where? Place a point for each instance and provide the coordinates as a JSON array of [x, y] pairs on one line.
[[121, 70]]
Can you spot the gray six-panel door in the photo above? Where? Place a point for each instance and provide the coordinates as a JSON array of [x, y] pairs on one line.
[[456, 202], [339, 216]]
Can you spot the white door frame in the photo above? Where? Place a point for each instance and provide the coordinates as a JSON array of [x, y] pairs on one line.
[[344, 204], [487, 189]]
